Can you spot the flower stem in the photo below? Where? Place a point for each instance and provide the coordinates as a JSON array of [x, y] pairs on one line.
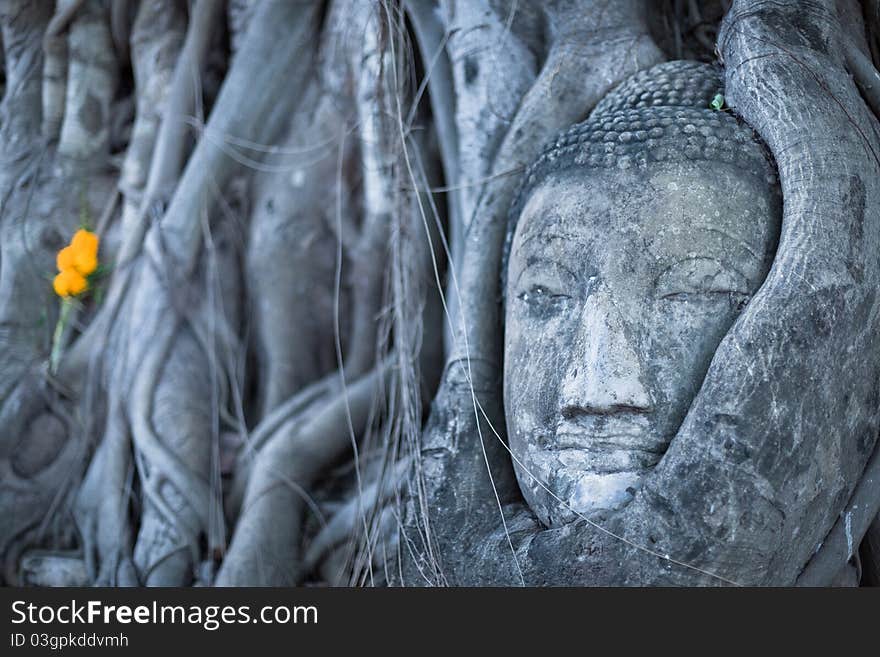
[[59, 334]]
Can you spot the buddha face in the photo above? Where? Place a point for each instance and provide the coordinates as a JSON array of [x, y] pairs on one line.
[[620, 286]]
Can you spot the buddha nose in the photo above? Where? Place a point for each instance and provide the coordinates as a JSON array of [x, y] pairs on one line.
[[605, 373]]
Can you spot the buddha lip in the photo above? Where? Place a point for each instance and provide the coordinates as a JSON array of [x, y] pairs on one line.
[[624, 442], [628, 438]]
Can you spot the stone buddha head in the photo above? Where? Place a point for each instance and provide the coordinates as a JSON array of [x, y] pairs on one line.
[[637, 239]]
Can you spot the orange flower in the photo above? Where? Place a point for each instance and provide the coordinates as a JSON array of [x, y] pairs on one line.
[[85, 262], [69, 283], [85, 241], [75, 262], [65, 258]]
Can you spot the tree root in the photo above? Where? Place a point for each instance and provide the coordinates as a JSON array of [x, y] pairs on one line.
[[866, 76], [156, 40], [91, 86], [344, 526], [265, 543], [842, 542]]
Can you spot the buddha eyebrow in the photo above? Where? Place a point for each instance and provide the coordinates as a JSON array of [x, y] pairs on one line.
[[545, 238], [752, 251], [533, 261], [745, 244]]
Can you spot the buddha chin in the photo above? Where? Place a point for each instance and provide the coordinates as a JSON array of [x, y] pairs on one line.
[[620, 284]]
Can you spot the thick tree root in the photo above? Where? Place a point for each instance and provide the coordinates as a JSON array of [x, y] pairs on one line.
[[266, 542]]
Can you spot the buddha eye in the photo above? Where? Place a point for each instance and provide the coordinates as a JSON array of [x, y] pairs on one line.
[[542, 294], [544, 288], [543, 300], [703, 279], [737, 300]]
